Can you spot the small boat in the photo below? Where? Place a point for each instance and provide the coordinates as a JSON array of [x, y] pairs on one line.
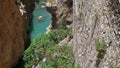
[[42, 6], [40, 18]]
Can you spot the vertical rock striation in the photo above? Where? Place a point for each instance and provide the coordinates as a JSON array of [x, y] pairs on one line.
[[13, 28], [96, 20], [11, 34]]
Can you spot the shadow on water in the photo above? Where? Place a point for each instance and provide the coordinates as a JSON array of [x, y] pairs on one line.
[[30, 27]]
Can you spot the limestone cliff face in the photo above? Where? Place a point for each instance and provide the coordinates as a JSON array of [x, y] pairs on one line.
[[12, 33], [96, 20]]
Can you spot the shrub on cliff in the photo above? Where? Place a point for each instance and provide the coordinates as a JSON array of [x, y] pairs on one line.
[[45, 51]]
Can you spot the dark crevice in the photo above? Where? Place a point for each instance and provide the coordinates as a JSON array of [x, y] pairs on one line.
[[54, 19], [29, 8], [20, 63], [100, 56], [115, 7], [69, 3]]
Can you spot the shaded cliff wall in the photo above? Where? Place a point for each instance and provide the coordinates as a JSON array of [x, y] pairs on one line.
[[27, 17], [13, 31], [11, 34], [97, 33]]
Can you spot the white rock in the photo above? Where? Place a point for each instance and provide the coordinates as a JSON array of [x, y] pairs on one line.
[[44, 59], [22, 5], [22, 11], [48, 4]]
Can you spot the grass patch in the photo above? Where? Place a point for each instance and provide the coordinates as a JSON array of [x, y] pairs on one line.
[[101, 48]]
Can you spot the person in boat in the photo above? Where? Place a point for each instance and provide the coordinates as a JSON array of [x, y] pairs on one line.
[[40, 17], [43, 6]]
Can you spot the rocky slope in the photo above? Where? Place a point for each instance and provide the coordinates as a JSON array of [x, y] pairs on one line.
[[97, 33], [12, 33]]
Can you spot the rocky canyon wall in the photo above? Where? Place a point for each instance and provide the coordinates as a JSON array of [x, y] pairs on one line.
[[13, 28], [62, 13], [11, 34], [97, 33]]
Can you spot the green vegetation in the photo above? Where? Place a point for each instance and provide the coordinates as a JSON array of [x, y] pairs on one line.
[[46, 47], [81, 15], [96, 17], [59, 26], [79, 66], [100, 45], [101, 48]]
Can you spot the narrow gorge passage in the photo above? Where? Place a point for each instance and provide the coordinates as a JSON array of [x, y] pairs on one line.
[[38, 27]]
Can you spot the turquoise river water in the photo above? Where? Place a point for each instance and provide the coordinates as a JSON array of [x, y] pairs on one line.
[[39, 27]]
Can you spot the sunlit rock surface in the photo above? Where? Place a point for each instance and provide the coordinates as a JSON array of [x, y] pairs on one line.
[[97, 20]]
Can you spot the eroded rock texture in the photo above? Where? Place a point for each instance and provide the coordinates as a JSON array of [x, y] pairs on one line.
[[62, 13], [96, 20]]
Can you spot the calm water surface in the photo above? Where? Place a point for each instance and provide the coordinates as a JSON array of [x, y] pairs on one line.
[[39, 27]]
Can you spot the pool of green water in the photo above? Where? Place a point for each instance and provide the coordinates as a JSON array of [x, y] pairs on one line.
[[39, 27]]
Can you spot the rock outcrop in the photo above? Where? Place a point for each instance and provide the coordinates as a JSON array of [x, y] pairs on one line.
[[97, 33], [13, 28], [61, 13]]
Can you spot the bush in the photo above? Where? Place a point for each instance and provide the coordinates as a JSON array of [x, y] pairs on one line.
[[101, 48], [45, 47], [100, 45]]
